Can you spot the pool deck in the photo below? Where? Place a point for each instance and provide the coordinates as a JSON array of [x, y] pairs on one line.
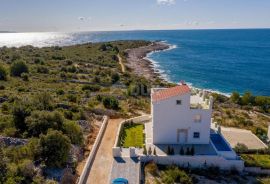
[[205, 149]]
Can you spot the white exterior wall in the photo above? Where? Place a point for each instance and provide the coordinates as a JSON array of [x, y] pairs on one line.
[[168, 117]]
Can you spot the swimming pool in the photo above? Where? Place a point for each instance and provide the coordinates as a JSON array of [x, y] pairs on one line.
[[219, 143]]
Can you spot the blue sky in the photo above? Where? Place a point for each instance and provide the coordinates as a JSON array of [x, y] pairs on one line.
[[92, 15]]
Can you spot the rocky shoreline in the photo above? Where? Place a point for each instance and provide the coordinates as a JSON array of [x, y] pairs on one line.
[[141, 66]]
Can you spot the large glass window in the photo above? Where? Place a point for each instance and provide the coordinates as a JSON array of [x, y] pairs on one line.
[[178, 102]]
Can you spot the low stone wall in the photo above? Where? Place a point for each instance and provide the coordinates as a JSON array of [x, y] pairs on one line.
[[257, 170], [10, 141], [196, 161], [91, 157]]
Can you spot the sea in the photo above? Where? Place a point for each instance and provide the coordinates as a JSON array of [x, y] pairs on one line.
[[223, 60]]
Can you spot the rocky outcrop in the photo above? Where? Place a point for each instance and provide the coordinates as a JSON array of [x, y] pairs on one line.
[[10, 141]]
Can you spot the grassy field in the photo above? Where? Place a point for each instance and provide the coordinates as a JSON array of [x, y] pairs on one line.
[[134, 136], [254, 160]]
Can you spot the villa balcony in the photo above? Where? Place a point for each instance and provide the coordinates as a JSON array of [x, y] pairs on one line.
[[200, 100]]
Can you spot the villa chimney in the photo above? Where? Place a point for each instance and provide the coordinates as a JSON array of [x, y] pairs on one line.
[[203, 95], [211, 100], [182, 82]]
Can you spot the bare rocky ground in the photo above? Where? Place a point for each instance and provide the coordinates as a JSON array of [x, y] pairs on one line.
[[91, 134]]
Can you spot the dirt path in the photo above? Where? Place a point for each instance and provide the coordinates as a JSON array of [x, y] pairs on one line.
[[101, 168], [123, 68]]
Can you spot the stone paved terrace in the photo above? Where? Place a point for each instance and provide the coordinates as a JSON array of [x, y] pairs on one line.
[[128, 168], [236, 135], [200, 149]]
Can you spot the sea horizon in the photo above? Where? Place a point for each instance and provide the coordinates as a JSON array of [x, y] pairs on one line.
[[182, 29], [220, 60]]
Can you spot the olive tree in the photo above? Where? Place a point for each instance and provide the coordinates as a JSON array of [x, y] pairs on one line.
[[55, 148], [18, 67], [3, 73]]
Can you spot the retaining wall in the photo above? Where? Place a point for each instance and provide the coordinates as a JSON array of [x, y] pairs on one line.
[[257, 170], [91, 157], [196, 161]]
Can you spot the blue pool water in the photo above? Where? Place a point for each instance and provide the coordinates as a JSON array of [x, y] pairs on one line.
[[219, 142], [220, 60]]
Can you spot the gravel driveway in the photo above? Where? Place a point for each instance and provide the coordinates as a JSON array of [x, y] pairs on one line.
[[101, 168]]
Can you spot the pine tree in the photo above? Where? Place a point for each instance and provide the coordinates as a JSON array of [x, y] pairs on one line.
[[188, 151], [182, 152], [155, 152], [150, 151], [144, 150], [168, 150], [192, 151], [172, 151]]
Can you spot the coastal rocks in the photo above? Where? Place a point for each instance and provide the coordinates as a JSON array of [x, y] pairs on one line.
[[136, 60], [84, 124]]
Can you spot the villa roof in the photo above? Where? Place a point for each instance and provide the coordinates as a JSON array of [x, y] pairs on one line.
[[170, 92]]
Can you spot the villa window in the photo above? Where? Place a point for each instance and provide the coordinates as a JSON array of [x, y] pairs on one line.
[[196, 135], [198, 118], [178, 102]]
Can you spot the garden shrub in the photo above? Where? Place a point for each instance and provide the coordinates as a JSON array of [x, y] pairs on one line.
[[21, 110], [115, 77], [43, 101], [2, 87], [72, 98], [240, 148], [3, 73], [151, 168], [42, 69], [18, 67], [25, 76], [92, 88], [41, 121], [74, 132], [110, 102], [72, 69], [175, 175]]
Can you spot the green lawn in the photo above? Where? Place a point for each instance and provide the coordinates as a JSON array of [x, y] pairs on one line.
[[262, 161], [133, 136]]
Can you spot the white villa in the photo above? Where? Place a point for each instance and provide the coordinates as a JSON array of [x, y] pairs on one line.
[[179, 117], [180, 120]]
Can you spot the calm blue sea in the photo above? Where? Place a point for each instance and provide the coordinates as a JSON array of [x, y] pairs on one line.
[[219, 60]]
